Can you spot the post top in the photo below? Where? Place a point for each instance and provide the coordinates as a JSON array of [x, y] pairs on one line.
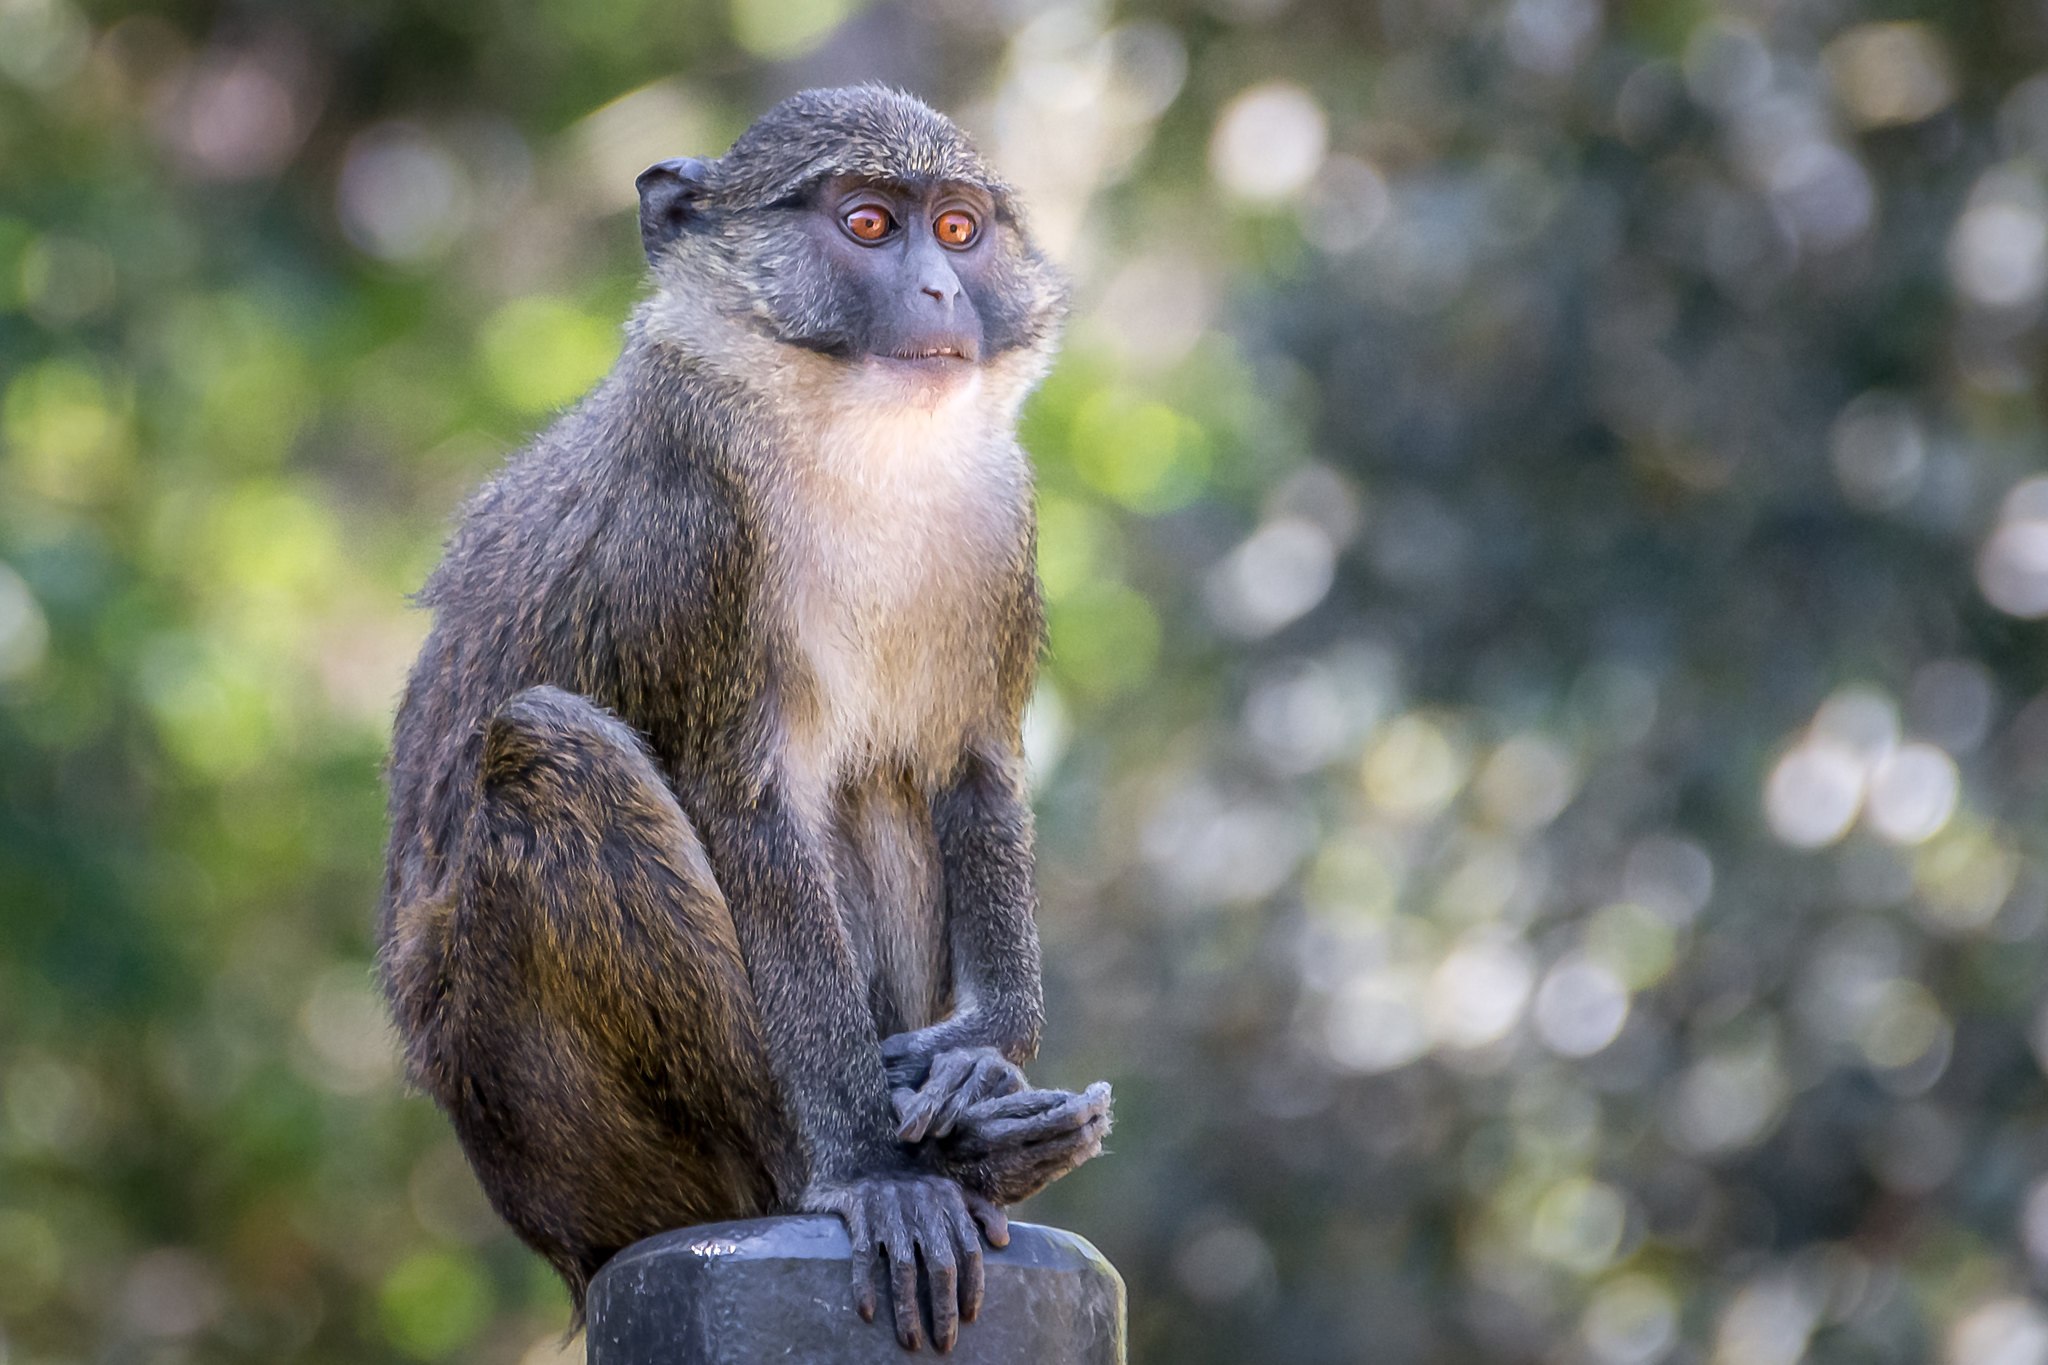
[[822, 1237], [781, 1288]]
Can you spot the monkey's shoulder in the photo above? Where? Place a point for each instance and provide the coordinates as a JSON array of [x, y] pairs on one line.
[[595, 502], [582, 566]]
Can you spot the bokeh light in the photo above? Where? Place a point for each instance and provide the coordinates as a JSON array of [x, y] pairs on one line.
[[1268, 143]]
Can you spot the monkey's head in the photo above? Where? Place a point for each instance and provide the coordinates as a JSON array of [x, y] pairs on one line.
[[859, 226]]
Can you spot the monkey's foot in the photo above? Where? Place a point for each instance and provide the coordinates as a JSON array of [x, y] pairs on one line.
[[958, 1079], [1011, 1147], [897, 1221]]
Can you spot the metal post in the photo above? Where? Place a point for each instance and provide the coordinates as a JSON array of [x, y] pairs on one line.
[[780, 1289]]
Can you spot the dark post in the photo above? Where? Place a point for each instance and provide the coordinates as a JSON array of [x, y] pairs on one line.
[[781, 1289]]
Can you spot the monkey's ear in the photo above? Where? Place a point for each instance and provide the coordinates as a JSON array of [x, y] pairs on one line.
[[668, 198]]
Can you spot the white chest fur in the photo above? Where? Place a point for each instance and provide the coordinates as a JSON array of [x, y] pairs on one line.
[[907, 528]]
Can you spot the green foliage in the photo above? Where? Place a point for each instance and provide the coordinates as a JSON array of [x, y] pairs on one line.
[[433, 1303]]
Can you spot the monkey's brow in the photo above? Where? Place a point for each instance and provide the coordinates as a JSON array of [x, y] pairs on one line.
[[914, 187]]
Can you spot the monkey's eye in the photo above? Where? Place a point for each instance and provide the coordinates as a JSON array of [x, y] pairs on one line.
[[869, 222], [955, 228]]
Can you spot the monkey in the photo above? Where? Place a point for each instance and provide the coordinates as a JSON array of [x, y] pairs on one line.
[[710, 884]]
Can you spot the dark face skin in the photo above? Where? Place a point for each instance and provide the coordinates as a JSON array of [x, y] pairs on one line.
[[912, 264], [926, 276]]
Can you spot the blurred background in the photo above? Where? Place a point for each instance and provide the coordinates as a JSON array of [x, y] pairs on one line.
[[1544, 752]]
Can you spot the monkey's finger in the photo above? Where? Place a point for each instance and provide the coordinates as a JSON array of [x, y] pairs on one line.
[[947, 1114], [901, 1249], [1068, 1114], [1017, 1104], [981, 1128], [991, 1077], [949, 1070], [1054, 1159], [1004, 1078], [1073, 1135], [995, 1224], [861, 1236], [942, 1270], [898, 1249], [914, 1118], [967, 1244], [1072, 1114]]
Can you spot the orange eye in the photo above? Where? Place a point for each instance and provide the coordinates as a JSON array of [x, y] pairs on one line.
[[955, 228], [869, 222]]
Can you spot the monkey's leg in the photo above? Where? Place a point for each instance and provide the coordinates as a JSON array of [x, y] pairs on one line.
[[577, 1001]]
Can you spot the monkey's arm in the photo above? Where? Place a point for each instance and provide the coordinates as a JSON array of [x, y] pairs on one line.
[[983, 823], [937, 1073], [982, 817], [958, 1091], [821, 1043], [819, 1036]]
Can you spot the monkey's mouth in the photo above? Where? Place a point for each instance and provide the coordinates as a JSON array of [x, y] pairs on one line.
[[933, 356]]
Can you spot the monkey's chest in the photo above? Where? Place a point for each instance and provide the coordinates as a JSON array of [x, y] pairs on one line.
[[895, 631], [895, 628], [899, 568], [907, 528]]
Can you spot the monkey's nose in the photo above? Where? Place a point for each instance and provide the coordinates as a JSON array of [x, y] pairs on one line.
[[944, 294]]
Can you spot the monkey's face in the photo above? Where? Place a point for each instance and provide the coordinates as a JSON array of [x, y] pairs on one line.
[[861, 227], [908, 267], [926, 276]]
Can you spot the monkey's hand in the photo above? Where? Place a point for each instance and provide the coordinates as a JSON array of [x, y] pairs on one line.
[[908, 1057], [901, 1219], [1009, 1148], [954, 1080]]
